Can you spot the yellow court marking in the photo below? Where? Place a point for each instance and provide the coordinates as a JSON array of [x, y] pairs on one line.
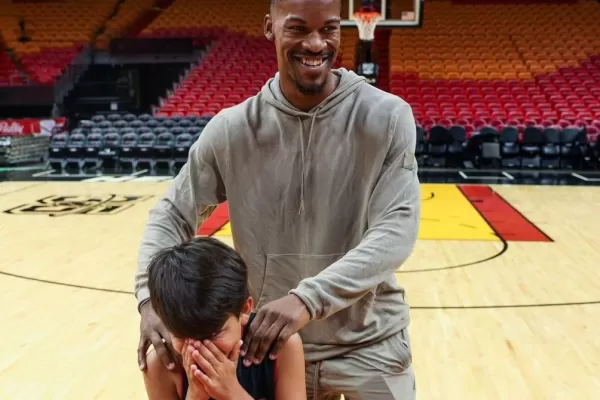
[[446, 214], [225, 231]]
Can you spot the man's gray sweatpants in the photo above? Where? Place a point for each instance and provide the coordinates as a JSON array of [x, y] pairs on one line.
[[382, 371]]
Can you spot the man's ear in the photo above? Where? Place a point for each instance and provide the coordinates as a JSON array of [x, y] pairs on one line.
[[268, 27]]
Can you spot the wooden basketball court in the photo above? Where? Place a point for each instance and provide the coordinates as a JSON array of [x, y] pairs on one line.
[[504, 288]]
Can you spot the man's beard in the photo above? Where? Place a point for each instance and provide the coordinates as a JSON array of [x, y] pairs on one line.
[[311, 89]]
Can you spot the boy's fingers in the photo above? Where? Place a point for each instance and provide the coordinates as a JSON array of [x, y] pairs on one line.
[[202, 377], [187, 355], [216, 352], [204, 364], [194, 369], [235, 353], [208, 355]]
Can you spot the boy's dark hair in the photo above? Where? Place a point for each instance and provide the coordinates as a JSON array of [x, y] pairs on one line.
[[196, 286]]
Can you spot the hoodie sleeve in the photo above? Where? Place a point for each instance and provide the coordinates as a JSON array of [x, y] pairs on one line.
[[393, 224], [192, 196]]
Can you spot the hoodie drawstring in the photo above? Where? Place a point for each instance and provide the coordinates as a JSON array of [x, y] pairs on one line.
[[310, 132]]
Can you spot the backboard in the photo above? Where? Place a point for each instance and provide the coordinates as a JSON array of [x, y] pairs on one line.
[[396, 13]]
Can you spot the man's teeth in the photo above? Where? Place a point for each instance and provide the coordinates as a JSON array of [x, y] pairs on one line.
[[312, 62]]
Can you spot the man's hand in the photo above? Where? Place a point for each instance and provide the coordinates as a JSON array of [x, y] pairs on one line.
[[152, 331], [217, 372], [196, 389], [274, 323]]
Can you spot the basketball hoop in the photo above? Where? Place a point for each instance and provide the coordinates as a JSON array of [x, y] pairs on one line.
[[366, 22]]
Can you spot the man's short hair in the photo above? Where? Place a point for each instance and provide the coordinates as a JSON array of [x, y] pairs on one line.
[[275, 2], [196, 286]]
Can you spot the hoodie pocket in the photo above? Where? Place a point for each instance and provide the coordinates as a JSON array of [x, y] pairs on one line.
[[283, 272], [390, 356], [401, 349]]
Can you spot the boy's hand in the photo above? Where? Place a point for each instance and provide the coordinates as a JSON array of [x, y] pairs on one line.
[[217, 372], [196, 389]]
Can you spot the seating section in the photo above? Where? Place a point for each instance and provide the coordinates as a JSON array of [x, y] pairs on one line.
[[56, 31], [506, 147], [9, 74], [185, 17], [47, 64], [129, 13], [519, 65], [235, 69], [126, 142]]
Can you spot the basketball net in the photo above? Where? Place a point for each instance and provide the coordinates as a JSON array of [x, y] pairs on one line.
[[366, 22]]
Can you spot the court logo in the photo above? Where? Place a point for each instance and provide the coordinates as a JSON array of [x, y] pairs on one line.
[[57, 205]]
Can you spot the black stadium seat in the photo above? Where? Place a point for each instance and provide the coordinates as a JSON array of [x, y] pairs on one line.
[[573, 147], [531, 147], [438, 142], [144, 151], [144, 117], [152, 123], [164, 150], [136, 124], [129, 117], [551, 149], [104, 124], [109, 154], [98, 118], [194, 129], [168, 123], [93, 145], [185, 123], [76, 151], [196, 136], [120, 124], [58, 151], [183, 143], [456, 148], [127, 156], [509, 147], [177, 130], [113, 117]]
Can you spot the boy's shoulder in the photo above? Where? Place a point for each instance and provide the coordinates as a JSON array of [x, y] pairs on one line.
[[164, 381], [292, 347]]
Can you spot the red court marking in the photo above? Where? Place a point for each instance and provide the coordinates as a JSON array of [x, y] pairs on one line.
[[504, 219], [217, 220]]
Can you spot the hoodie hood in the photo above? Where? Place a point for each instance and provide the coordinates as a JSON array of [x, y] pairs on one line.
[[349, 82], [271, 91]]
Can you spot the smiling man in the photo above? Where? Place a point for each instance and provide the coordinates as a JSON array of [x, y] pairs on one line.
[[324, 201]]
